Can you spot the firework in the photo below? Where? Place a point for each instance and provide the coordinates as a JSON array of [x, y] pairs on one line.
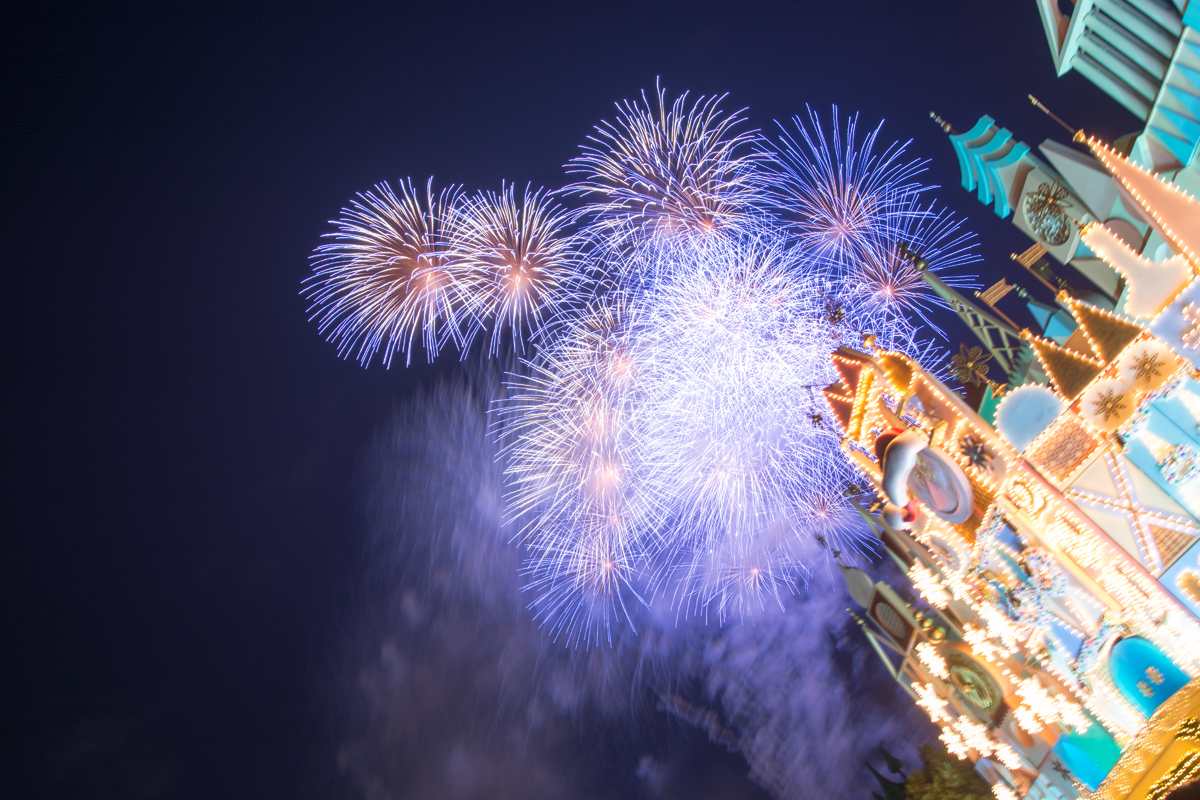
[[517, 259], [672, 441], [663, 439], [580, 489], [885, 281], [582, 583], [662, 168], [735, 353], [569, 422], [842, 197], [387, 276], [661, 432]]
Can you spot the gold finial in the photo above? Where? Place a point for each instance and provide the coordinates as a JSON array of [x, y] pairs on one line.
[[1074, 133], [941, 123], [905, 252], [1025, 335], [868, 340], [1079, 136], [1062, 296]]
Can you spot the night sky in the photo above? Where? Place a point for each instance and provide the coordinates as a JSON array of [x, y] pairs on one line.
[[183, 455]]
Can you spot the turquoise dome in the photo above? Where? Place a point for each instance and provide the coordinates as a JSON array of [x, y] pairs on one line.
[[1144, 674]]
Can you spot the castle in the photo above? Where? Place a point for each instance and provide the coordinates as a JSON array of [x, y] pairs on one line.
[[1050, 522]]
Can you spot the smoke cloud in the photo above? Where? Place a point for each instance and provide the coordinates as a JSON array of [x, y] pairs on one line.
[[453, 691]]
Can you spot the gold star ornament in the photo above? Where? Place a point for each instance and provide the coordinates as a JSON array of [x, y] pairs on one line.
[[1109, 404], [1147, 365]]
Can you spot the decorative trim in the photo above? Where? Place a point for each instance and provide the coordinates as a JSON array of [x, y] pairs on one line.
[[1169, 722]]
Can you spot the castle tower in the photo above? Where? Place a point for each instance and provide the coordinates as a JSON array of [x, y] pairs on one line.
[[1122, 47], [1164, 293], [1000, 338], [1047, 199], [1145, 54], [1057, 549], [1172, 211]]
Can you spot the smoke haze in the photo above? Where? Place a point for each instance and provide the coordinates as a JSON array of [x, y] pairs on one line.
[[453, 691]]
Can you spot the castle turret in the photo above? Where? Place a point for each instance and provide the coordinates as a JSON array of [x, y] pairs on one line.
[[1144, 54], [1047, 199]]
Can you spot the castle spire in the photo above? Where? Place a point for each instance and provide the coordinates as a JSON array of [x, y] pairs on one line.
[[1069, 370], [992, 162], [1002, 340], [1174, 213], [941, 123], [1107, 333], [1151, 286]]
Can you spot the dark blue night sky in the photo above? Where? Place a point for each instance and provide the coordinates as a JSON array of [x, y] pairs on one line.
[[185, 599]]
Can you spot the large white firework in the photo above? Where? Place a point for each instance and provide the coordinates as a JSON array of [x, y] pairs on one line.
[[665, 437], [738, 353], [681, 447]]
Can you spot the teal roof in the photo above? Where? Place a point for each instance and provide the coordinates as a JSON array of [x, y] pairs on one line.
[[959, 142], [1180, 148], [976, 156], [982, 163], [1191, 16], [1003, 209], [1057, 325]]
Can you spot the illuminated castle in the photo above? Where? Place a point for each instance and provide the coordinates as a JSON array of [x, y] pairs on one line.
[[1051, 529], [1145, 54]]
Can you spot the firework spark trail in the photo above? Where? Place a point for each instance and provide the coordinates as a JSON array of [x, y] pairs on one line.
[[519, 263], [840, 196], [663, 168], [577, 471], [664, 434], [861, 218], [569, 422], [386, 275], [737, 353], [675, 444], [885, 282]]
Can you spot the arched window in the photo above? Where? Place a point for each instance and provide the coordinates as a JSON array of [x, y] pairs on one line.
[[1144, 674]]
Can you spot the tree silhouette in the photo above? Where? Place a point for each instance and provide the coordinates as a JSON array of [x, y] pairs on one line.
[[944, 777]]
